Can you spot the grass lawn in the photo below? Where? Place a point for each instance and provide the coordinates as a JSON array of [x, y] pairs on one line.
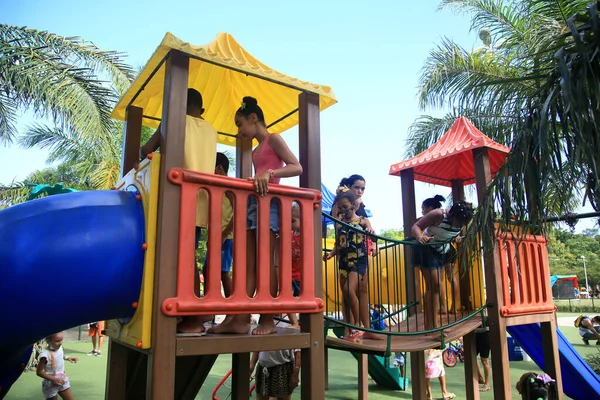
[[88, 377]]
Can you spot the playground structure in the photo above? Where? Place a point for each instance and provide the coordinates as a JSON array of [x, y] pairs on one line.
[[141, 236], [150, 217], [564, 286]]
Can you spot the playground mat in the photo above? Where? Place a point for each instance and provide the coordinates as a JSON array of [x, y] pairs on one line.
[[88, 377]]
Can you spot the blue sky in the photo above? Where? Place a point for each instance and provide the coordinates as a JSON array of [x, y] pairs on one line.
[[369, 53]]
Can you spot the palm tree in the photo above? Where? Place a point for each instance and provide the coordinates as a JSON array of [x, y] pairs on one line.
[[59, 78], [497, 84], [557, 143]]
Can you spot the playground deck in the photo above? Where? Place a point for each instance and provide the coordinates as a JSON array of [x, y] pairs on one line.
[[214, 343], [409, 343]]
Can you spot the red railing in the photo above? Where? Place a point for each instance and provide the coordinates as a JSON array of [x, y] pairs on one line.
[[525, 274], [214, 302]]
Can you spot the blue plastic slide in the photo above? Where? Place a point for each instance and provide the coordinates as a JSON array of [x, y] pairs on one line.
[[65, 260], [580, 382]]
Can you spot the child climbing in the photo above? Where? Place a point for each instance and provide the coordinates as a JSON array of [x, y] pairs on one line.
[[51, 368], [434, 368], [439, 225], [534, 386], [351, 249], [278, 373], [272, 161]]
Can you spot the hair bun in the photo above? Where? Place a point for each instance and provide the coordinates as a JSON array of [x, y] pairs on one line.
[[439, 198], [250, 101]]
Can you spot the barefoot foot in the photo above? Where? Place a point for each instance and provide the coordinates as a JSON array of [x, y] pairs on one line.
[[234, 325], [191, 325], [265, 328]]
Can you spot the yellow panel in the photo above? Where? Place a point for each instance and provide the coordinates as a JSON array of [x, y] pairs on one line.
[[383, 279], [138, 331]]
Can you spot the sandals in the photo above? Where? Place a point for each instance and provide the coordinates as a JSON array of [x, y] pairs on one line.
[[485, 388], [354, 336], [449, 396]]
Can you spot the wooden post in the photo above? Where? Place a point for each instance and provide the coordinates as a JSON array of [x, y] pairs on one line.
[[458, 190], [458, 193], [131, 139], [161, 361], [243, 155], [116, 375], [413, 288], [491, 262], [551, 355], [313, 374], [363, 376], [409, 216], [240, 384], [471, 366]]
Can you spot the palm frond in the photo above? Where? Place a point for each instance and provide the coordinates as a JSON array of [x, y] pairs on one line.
[[74, 50], [557, 10], [58, 77], [8, 109], [12, 194], [455, 77], [63, 145], [502, 19]]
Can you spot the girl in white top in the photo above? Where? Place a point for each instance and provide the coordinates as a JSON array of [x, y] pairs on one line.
[[439, 225], [51, 367]]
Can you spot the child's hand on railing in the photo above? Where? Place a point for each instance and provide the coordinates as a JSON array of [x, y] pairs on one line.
[[374, 250], [328, 256], [424, 239]]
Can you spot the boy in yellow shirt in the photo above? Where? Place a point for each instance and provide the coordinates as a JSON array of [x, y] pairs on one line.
[[200, 153]]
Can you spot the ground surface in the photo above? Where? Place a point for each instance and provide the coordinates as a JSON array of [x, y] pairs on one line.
[[88, 377]]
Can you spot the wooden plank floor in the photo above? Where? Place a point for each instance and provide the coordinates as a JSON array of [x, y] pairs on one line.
[[285, 338], [409, 343]]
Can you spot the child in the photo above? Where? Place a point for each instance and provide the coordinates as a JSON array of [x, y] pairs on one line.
[[399, 361], [439, 225], [351, 246], [95, 330], [222, 168], [434, 368], [296, 240], [51, 367], [278, 373], [200, 149], [378, 316], [537, 387], [272, 161]]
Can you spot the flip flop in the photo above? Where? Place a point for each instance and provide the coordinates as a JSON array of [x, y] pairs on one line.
[[449, 396], [484, 388]]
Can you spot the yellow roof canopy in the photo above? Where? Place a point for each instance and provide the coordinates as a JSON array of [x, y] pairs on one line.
[[224, 72]]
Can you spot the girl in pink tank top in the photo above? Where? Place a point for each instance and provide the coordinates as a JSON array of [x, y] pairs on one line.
[[272, 161]]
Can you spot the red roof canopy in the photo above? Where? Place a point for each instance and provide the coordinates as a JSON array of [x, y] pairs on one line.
[[450, 158]]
